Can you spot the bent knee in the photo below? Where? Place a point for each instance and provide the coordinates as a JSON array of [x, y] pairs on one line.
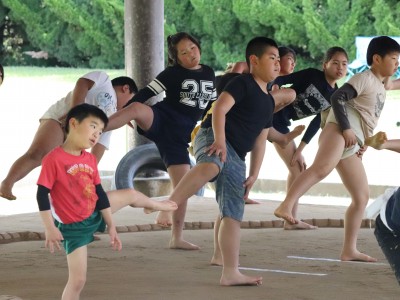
[[320, 172]]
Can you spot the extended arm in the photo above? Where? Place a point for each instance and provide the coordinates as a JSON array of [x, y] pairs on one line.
[[103, 205], [82, 86], [392, 84], [53, 235], [256, 159]]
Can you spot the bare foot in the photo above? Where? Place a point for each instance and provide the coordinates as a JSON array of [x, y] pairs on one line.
[[183, 245], [237, 278], [377, 140], [358, 256], [290, 136], [286, 214], [299, 226], [5, 192], [164, 205], [164, 219], [216, 260], [251, 201]]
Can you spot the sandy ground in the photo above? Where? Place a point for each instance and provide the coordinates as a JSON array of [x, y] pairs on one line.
[[294, 264]]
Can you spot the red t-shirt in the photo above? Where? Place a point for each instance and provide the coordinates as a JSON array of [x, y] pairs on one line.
[[72, 183]]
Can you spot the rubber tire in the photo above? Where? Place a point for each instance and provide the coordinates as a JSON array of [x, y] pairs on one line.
[[138, 159]]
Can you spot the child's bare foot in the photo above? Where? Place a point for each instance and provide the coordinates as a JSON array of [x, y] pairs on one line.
[[164, 205], [237, 278], [299, 226], [357, 256], [251, 201], [290, 136], [164, 219], [216, 260], [183, 245], [285, 213], [6, 192], [377, 140]]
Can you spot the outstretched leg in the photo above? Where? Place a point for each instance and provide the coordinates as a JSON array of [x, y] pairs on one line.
[[177, 172], [286, 155], [352, 173], [122, 198], [331, 145], [283, 140], [197, 177], [48, 136]]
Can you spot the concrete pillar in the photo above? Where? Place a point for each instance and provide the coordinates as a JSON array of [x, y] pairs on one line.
[[144, 48]]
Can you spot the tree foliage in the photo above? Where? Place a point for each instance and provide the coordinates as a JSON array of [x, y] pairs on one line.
[[86, 33]]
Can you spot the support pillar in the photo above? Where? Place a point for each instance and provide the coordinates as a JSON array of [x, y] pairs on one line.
[[144, 48]]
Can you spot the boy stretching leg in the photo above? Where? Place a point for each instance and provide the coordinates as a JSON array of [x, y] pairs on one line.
[[238, 124], [78, 206]]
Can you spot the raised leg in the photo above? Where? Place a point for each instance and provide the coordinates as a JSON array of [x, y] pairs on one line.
[[186, 187], [331, 145], [122, 198]]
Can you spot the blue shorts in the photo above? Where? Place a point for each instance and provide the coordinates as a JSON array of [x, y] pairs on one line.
[[229, 190], [170, 131]]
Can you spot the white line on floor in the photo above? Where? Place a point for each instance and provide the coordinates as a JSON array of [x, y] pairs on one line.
[[336, 260], [281, 271]]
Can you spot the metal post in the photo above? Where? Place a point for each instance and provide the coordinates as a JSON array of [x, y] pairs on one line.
[[144, 48]]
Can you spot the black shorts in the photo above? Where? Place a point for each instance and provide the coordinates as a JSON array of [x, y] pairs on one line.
[[281, 120], [170, 132]]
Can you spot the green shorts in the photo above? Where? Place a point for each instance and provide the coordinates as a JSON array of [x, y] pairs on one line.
[[81, 233]]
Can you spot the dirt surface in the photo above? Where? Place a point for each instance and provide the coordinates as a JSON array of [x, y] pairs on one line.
[[294, 264]]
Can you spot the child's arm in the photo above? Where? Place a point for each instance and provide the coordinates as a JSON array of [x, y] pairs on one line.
[[53, 235], [82, 87], [256, 159], [392, 84], [103, 205], [338, 100], [393, 145], [221, 108], [311, 131], [298, 157], [112, 231]]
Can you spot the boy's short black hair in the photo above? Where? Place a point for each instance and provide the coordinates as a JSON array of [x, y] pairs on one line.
[[381, 45], [84, 110], [257, 46], [1, 74], [122, 80]]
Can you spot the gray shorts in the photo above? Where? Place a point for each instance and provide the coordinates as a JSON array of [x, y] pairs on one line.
[[229, 190]]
